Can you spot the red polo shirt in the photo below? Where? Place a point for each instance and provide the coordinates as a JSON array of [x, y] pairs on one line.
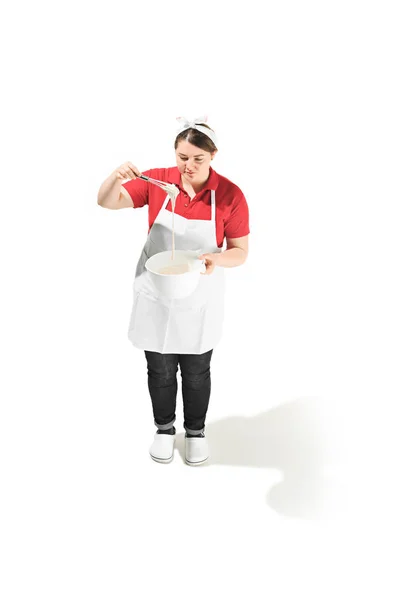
[[232, 213]]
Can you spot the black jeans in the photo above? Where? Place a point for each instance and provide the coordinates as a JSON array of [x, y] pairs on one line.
[[163, 386]]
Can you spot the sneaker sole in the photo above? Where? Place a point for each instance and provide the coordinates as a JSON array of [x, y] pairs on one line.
[[195, 464], [162, 460]]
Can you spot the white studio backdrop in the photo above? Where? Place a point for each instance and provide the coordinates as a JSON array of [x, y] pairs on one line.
[[304, 99]]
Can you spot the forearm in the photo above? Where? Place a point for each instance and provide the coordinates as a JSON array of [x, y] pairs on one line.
[[231, 258], [109, 191]]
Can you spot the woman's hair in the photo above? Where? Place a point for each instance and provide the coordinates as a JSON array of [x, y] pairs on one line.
[[197, 138]]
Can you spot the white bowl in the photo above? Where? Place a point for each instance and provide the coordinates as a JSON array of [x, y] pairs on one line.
[[177, 285]]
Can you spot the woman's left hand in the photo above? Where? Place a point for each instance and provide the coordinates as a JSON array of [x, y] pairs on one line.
[[210, 262]]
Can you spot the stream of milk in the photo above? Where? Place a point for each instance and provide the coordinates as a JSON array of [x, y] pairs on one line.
[[173, 192]]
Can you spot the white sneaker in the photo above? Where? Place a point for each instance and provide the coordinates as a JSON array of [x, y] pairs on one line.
[[196, 450], [162, 448]]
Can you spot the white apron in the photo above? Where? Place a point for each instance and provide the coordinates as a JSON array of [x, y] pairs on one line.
[[191, 325]]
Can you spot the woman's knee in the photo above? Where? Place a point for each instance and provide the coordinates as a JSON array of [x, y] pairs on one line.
[[196, 379], [161, 368]]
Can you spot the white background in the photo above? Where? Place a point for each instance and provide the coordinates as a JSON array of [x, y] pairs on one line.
[[299, 498]]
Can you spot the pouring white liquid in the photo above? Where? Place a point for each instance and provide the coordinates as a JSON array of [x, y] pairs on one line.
[[173, 192]]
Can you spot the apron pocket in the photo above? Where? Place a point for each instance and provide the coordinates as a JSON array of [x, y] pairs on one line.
[[185, 330], [213, 325], [148, 323]]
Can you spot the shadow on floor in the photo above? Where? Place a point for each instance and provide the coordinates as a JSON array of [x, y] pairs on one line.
[[299, 439]]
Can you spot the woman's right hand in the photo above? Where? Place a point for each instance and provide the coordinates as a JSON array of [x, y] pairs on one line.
[[127, 171]]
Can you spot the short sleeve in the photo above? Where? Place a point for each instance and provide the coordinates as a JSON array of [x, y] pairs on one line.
[[237, 222], [138, 190]]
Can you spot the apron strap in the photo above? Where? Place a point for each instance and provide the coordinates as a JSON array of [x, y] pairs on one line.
[[213, 205], [167, 199]]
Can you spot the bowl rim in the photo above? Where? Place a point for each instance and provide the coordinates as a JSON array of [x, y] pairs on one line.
[[196, 268]]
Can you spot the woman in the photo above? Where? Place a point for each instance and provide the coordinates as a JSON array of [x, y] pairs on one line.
[[208, 210]]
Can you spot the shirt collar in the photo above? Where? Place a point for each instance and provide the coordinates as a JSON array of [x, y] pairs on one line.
[[211, 183]]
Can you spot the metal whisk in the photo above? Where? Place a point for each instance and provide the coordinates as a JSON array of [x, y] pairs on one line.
[[170, 188]]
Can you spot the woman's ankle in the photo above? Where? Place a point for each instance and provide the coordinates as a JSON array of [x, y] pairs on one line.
[[170, 431]]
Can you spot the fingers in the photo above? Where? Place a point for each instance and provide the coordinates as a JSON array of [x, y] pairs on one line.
[[209, 267], [127, 171]]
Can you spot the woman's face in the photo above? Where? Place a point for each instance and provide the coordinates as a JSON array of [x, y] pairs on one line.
[[193, 162]]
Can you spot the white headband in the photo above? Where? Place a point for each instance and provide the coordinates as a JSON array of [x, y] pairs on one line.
[[184, 124]]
